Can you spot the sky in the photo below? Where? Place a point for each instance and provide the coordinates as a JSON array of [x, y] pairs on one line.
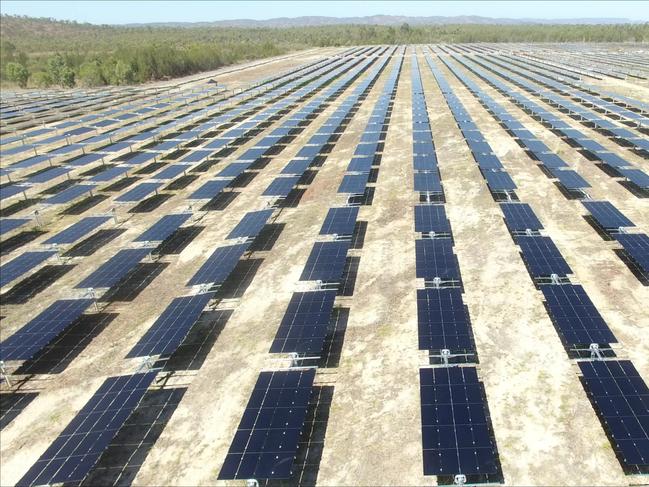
[[123, 12]]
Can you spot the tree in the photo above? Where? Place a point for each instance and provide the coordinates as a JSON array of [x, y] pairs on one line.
[[60, 72], [18, 74], [123, 73], [42, 79], [90, 74]]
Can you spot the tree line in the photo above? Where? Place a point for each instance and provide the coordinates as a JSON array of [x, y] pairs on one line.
[[45, 52]]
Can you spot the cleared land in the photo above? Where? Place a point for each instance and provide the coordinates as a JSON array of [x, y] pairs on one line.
[[363, 425]]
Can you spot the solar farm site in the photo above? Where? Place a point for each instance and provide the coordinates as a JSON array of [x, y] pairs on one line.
[[385, 265]]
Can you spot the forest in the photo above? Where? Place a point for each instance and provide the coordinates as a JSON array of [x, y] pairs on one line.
[[41, 52]]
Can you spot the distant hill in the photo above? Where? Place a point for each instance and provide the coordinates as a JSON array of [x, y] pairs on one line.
[[314, 21]]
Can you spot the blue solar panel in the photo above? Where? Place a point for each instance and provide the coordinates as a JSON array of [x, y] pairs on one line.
[[479, 147], [170, 329], [210, 189], [340, 221], [114, 269], [138, 193], [621, 398], [520, 217], [266, 440], [48, 175], [636, 176], [551, 160], [353, 183], [164, 227], [9, 224], [542, 256], [360, 164], [499, 181], [326, 262], [456, 437], [233, 170], [569, 179], [442, 320], [32, 161], [40, 331], [171, 172], [637, 246], [11, 190], [435, 258], [141, 158], [76, 231], [251, 224], [110, 174], [281, 186], [431, 218], [219, 265], [575, 315], [427, 182], [86, 159], [69, 194], [426, 162], [78, 448], [196, 156], [22, 264], [606, 215], [305, 324], [297, 167]]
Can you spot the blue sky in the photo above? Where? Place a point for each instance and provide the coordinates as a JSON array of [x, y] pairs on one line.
[[121, 12]]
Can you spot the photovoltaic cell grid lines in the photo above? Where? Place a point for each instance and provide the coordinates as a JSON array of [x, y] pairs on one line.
[[304, 326], [637, 246], [138, 193], [431, 218], [326, 262], [22, 264], [340, 221], [218, 266], [251, 224], [78, 230], [163, 228], [266, 440], [40, 331], [606, 215], [172, 326], [114, 269], [435, 258], [542, 256], [520, 217], [575, 315], [621, 398], [73, 454], [455, 433], [442, 320]]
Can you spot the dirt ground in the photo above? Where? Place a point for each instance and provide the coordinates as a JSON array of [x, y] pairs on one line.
[[546, 430]]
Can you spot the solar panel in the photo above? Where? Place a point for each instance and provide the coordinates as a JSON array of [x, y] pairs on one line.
[[575, 315], [426, 162], [360, 164], [353, 183], [340, 221], [233, 170], [114, 269], [427, 182], [520, 217], [542, 256], [22, 264], [442, 320], [138, 193], [266, 440], [326, 261], [607, 215], [431, 218], [40, 331], [551, 160], [164, 227], [499, 181], [251, 224], [569, 179], [305, 324], [196, 156], [11, 190], [76, 450], [69, 194], [479, 147], [297, 167], [171, 172], [435, 258], [637, 246], [620, 397], [636, 176], [488, 161], [49, 174], [219, 265], [77, 230], [456, 437], [210, 189], [9, 224], [281, 186], [109, 174], [171, 327], [86, 159]]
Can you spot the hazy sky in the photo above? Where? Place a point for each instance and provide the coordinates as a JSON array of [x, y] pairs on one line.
[[121, 12]]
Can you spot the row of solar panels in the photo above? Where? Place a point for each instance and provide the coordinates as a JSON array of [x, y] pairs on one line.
[[579, 323], [455, 429]]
